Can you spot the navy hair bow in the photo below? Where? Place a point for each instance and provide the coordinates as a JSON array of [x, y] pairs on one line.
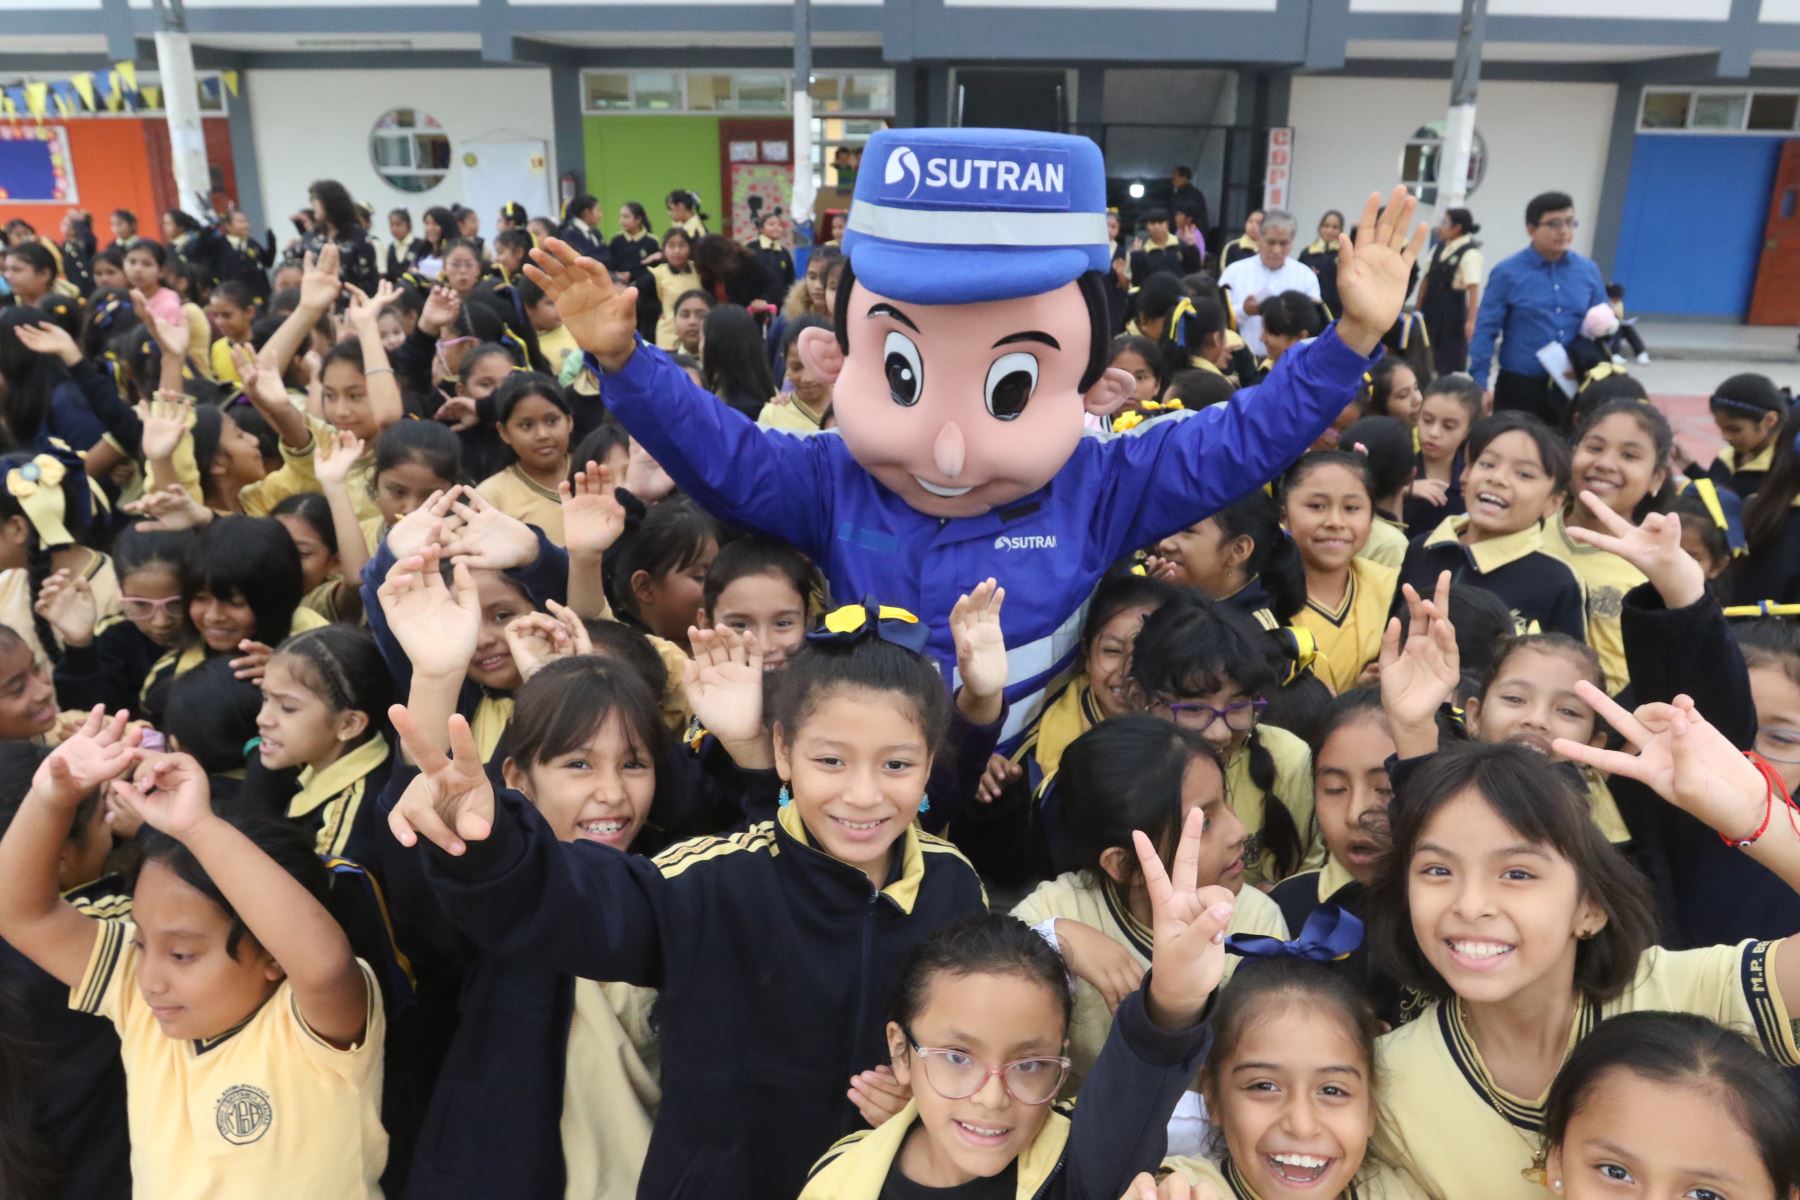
[[853, 622], [1330, 933]]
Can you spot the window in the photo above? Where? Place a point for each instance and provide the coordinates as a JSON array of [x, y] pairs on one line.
[[865, 93], [1774, 110], [1419, 161], [762, 93], [657, 91], [410, 150], [1665, 110], [1719, 110], [606, 91]]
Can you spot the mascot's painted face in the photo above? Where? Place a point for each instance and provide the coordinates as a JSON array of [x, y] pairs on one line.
[[960, 409]]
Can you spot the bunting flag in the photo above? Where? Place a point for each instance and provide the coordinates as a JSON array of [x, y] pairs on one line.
[[209, 87], [15, 96], [231, 82], [36, 97], [127, 73], [114, 92], [6, 104], [83, 84], [152, 96]]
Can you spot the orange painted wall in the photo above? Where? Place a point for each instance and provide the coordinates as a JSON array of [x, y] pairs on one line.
[[123, 162]]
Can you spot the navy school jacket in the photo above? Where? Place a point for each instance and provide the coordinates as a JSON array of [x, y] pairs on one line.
[[776, 966]]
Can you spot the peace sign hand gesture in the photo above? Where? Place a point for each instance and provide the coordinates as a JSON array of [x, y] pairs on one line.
[[1188, 924], [451, 803], [1653, 548], [601, 316], [1683, 758], [1374, 271], [1418, 678]]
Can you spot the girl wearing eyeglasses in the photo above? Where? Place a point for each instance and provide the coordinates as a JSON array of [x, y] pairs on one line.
[[106, 660], [1207, 667], [1130, 773], [980, 1032]]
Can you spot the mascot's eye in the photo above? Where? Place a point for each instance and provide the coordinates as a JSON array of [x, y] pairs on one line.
[[905, 373], [1010, 382]]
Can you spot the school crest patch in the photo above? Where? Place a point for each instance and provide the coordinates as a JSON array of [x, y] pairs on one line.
[[243, 1114]]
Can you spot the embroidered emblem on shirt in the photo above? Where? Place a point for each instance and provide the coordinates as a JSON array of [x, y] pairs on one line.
[[243, 1114]]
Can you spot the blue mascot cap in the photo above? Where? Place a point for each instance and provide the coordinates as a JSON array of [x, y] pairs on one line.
[[963, 216]]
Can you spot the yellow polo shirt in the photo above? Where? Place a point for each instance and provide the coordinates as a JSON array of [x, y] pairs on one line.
[[266, 1109], [1463, 1137]]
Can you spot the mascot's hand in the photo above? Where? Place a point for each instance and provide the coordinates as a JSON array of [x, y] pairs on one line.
[[1375, 270], [600, 315]]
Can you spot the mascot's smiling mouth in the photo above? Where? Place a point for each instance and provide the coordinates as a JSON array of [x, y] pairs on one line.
[[939, 490]]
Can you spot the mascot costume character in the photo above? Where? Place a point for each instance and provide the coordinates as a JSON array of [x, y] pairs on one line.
[[971, 342]]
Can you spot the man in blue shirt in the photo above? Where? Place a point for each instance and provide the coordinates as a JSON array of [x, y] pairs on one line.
[[1533, 298]]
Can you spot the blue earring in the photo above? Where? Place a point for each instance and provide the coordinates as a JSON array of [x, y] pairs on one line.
[[783, 798], [925, 804]]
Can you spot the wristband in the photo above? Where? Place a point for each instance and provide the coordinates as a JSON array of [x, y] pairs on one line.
[[1772, 781], [377, 371]]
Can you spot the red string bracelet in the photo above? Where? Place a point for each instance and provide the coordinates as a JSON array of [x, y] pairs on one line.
[[1772, 779]]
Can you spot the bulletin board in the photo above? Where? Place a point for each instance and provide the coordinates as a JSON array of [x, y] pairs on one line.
[[35, 165]]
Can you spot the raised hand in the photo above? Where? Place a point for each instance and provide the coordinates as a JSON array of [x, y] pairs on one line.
[[253, 659], [51, 339], [332, 464], [365, 309], [451, 803], [1097, 960], [1174, 1186], [537, 639], [1000, 774], [66, 601], [319, 284], [170, 509], [644, 476], [1653, 548], [593, 518], [101, 750], [601, 316], [878, 1095], [1683, 758], [980, 644], [170, 792], [458, 412], [1418, 678], [724, 684], [442, 307], [1375, 269], [164, 422], [436, 626], [425, 525], [1188, 923], [171, 339], [1432, 491], [488, 537]]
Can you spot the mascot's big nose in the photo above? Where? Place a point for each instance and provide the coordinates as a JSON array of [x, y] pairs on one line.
[[948, 450]]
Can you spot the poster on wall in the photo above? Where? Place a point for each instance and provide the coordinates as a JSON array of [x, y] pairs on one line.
[[771, 185], [35, 167]]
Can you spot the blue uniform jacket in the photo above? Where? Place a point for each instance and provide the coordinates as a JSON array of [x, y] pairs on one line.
[[1048, 549]]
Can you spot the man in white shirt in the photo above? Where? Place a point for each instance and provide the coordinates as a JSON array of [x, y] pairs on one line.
[[1250, 281]]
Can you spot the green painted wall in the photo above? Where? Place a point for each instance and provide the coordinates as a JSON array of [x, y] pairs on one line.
[[643, 158]]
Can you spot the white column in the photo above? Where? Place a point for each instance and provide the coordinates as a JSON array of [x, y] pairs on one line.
[[181, 104]]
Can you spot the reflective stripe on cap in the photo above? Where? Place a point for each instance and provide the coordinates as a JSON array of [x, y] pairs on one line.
[[941, 228]]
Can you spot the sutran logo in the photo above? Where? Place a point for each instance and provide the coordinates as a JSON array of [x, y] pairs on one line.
[[976, 175], [1033, 542], [900, 164]]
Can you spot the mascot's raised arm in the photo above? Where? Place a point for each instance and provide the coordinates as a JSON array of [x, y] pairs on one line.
[[971, 340]]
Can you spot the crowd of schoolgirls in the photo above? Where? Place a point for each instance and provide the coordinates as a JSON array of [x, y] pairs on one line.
[[407, 790]]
